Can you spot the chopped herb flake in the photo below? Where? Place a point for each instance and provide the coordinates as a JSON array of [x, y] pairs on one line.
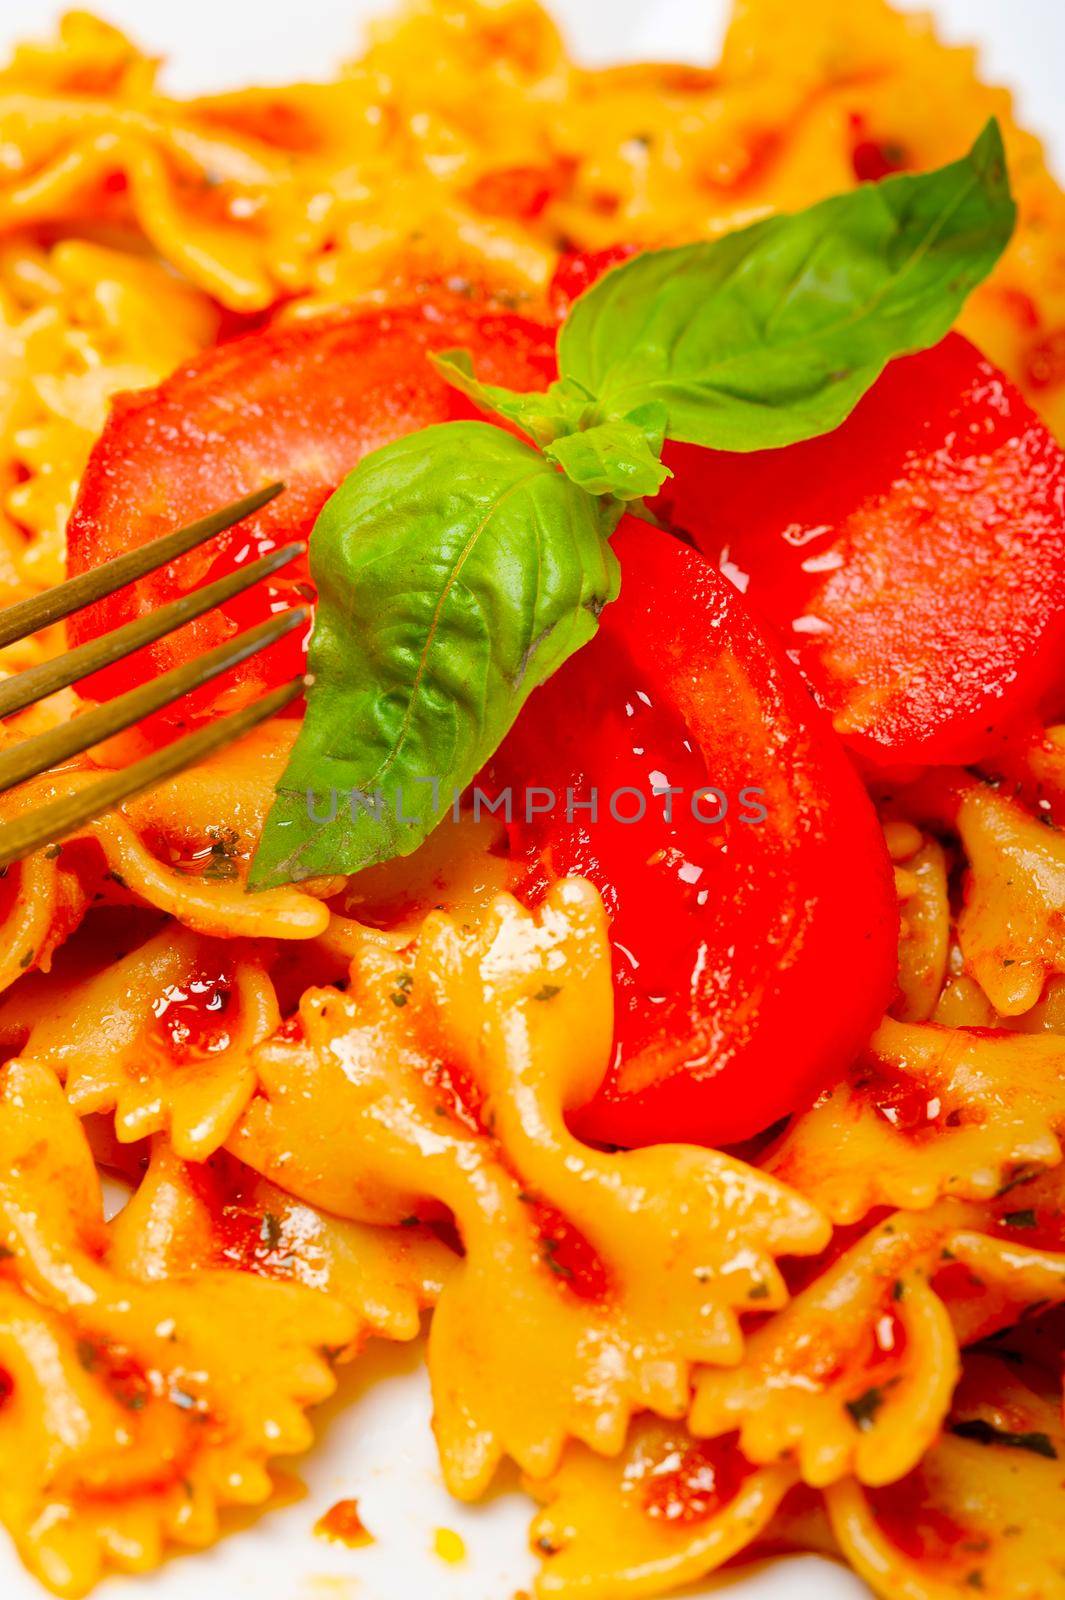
[[981, 1432], [88, 1354], [270, 1230], [401, 993], [550, 1260], [864, 1408]]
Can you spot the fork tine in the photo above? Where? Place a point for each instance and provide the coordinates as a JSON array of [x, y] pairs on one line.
[[40, 610], [46, 750], [37, 682], [73, 811]]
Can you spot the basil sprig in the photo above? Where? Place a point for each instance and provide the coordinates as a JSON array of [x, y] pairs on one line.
[[456, 570], [772, 334], [459, 567], [619, 457]]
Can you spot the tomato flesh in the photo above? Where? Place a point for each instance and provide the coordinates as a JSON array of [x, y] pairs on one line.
[[302, 402], [579, 269], [913, 561], [751, 958]]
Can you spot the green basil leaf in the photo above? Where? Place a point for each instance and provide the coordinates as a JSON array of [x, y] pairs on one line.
[[619, 458], [772, 334], [456, 570], [560, 409]]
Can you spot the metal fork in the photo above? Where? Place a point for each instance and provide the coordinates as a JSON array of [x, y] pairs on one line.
[[34, 756]]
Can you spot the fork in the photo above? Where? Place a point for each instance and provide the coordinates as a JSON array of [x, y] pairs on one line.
[[32, 757]]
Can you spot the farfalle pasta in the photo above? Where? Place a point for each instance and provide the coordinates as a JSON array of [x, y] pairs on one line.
[[351, 1108], [930, 1111], [669, 1509], [580, 1314], [135, 1408], [978, 1512]]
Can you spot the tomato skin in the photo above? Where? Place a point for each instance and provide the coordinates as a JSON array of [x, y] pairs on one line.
[[302, 402], [751, 960], [579, 269], [913, 561]]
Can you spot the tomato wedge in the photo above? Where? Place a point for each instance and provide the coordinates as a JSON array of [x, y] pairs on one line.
[[579, 269], [913, 561], [753, 954], [303, 402]]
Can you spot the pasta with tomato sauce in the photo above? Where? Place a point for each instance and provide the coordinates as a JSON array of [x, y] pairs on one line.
[[724, 1160]]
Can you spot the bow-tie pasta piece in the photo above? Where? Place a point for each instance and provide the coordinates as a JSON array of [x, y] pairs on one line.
[[685, 1238], [1012, 925], [458, 869], [40, 906], [1047, 1015], [590, 1282], [160, 1036], [669, 1510], [75, 143], [856, 1373], [250, 196], [928, 1111], [1006, 1259], [132, 1411], [924, 929], [170, 856], [81, 322], [982, 1512], [207, 903], [184, 1217]]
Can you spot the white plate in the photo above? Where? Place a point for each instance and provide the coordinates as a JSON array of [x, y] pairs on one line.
[[373, 1440]]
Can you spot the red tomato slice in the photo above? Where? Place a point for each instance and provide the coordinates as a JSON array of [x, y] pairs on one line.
[[579, 269], [751, 958], [913, 561], [302, 402]]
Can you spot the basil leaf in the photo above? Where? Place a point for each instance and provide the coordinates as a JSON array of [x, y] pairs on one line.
[[456, 570], [772, 334], [619, 458], [560, 409]]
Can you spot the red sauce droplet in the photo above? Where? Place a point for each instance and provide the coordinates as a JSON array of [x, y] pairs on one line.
[[456, 1095], [693, 1481], [190, 1017], [873, 159], [918, 1527], [568, 1255], [245, 1234], [909, 1105], [954, 1283], [125, 1378], [1044, 366], [343, 1525]]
